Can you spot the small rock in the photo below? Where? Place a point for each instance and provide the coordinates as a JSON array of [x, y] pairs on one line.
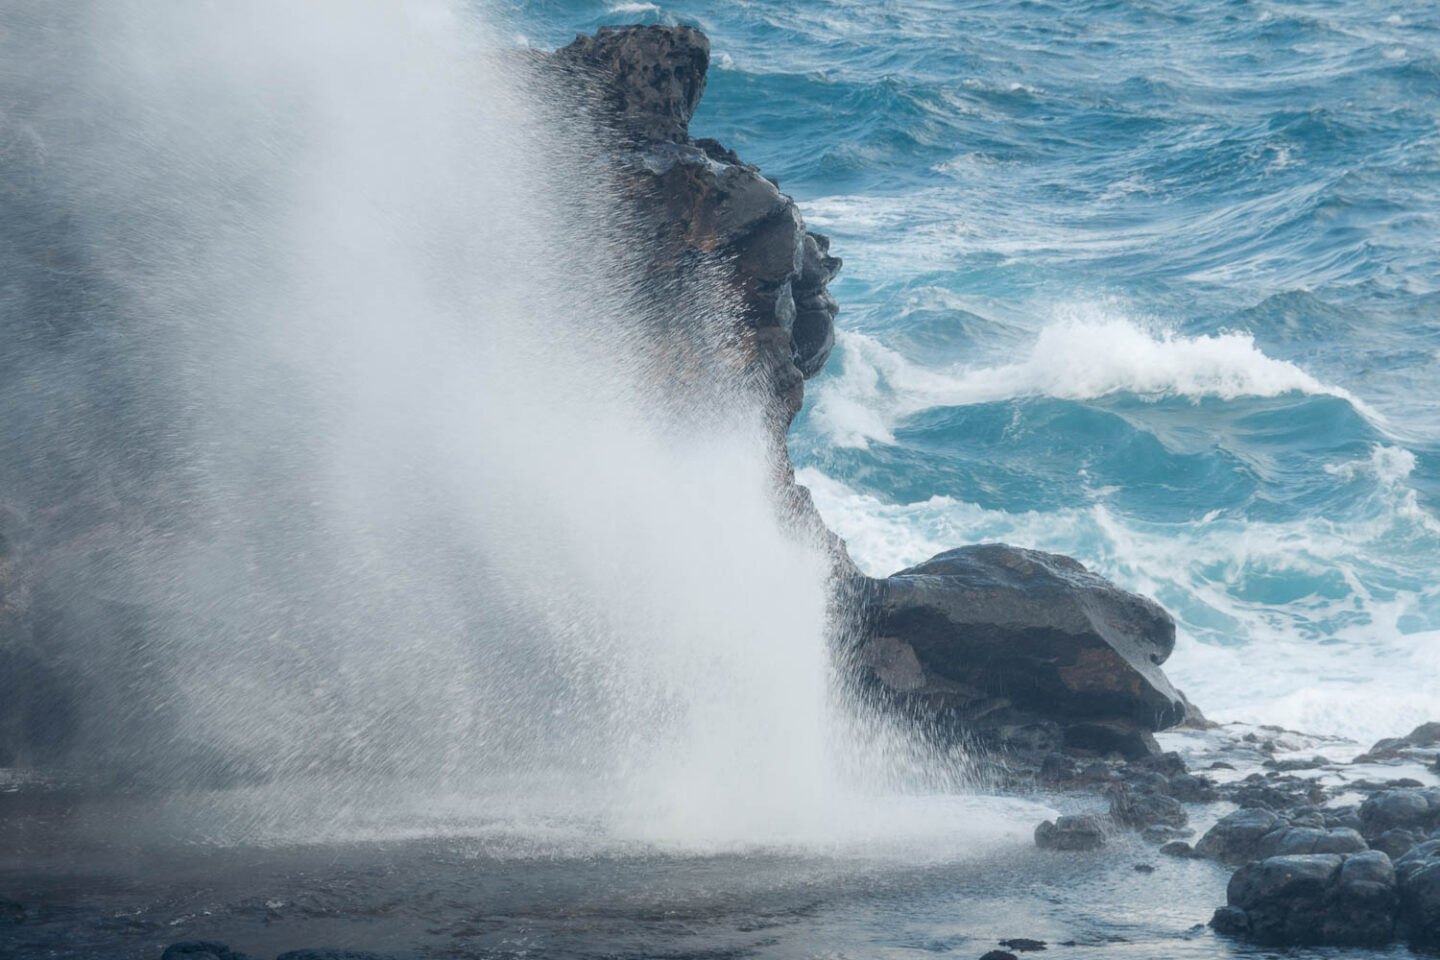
[[1391, 748], [1080, 832], [999, 955], [1189, 788], [1166, 764], [1147, 781], [1177, 848], [1236, 835], [1231, 920], [1160, 833], [1023, 945], [1296, 764], [1144, 868], [1143, 810]]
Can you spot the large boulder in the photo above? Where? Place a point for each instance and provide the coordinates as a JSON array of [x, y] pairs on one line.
[[1324, 899], [994, 636]]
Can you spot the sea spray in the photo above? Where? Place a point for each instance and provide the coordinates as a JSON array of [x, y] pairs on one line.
[[404, 507]]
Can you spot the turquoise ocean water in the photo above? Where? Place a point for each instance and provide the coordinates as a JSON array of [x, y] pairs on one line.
[[1154, 284]]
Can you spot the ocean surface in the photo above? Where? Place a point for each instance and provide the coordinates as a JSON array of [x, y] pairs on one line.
[[1156, 285]]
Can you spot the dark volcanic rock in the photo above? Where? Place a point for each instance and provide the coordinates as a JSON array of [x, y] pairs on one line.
[[650, 78], [1257, 834], [996, 636], [1147, 809], [1287, 841], [1236, 836], [1189, 788], [1397, 842], [1406, 809], [1070, 833], [1162, 832], [1395, 748], [1419, 879], [1317, 899], [705, 207], [704, 202], [1273, 793]]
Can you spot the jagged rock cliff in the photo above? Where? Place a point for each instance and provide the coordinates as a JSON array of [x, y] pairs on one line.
[[700, 200]]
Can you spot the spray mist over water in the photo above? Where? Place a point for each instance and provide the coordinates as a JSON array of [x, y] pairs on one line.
[[417, 495]]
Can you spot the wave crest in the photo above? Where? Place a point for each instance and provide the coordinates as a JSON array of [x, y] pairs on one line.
[[1082, 355]]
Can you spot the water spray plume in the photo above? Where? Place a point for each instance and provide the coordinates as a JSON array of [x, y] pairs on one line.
[[427, 495]]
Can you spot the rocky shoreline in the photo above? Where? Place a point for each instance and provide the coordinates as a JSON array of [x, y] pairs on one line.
[[1049, 672]]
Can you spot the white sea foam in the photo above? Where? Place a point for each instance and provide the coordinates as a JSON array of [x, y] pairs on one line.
[[1086, 352]]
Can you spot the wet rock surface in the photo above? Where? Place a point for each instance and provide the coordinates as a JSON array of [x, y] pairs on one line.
[[706, 210], [1422, 744], [1325, 899], [704, 202], [1418, 871], [1071, 833], [1027, 651], [1256, 833]]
